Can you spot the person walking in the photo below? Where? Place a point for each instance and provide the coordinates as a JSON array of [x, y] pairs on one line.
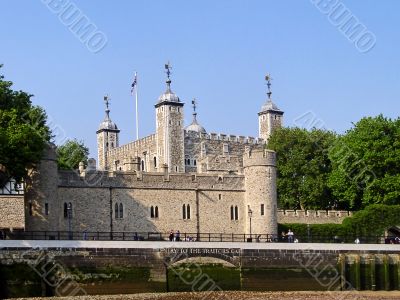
[[171, 235], [290, 235], [177, 236]]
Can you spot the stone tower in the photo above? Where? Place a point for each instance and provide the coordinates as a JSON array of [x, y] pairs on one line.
[[41, 204], [169, 129], [261, 194], [107, 138], [270, 117]]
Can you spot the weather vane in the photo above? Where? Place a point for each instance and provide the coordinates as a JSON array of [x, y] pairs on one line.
[[107, 100], [194, 103], [168, 69], [268, 79]]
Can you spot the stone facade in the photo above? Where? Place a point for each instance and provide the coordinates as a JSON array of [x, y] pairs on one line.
[[154, 201], [12, 212]]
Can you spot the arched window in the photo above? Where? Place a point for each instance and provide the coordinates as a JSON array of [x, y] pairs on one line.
[[116, 211], [65, 210], [188, 212], [152, 212], [195, 162], [121, 211], [184, 211], [156, 212], [232, 213], [155, 162], [236, 213]]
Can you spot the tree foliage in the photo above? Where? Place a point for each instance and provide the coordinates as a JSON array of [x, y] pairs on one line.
[[71, 153], [23, 132], [303, 167], [366, 163]]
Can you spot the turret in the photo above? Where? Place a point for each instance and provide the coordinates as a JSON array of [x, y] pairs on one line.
[[261, 194], [107, 137], [41, 205], [270, 117], [169, 129]]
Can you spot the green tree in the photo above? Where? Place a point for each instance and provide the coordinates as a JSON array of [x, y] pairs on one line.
[[366, 163], [71, 153], [23, 132], [303, 167]]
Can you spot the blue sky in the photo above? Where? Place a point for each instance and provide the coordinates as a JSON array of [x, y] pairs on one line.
[[220, 52]]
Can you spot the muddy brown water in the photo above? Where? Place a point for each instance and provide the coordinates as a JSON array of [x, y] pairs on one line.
[[351, 295]]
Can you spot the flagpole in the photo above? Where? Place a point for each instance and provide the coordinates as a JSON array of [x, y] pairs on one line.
[[137, 110]]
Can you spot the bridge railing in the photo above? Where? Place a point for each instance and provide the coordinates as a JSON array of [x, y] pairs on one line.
[[189, 237]]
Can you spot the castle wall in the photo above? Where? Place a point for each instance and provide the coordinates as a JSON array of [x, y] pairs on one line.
[[12, 211], [145, 149], [93, 202], [217, 152], [312, 216]]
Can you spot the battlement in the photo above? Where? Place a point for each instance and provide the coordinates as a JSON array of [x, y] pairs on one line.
[[229, 138], [154, 180], [133, 145], [259, 158], [313, 216]]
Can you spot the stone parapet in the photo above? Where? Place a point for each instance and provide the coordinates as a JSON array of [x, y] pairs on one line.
[[313, 216]]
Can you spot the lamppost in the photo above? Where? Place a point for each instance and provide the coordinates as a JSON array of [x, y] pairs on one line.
[[250, 213], [69, 214]]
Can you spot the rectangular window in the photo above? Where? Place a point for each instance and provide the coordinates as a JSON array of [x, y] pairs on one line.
[[46, 209], [262, 209], [226, 149], [219, 196]]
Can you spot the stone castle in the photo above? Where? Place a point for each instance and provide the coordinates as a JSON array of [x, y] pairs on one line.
[[179, 178]]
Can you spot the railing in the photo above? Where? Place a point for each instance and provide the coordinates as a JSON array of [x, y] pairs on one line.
[[189, 237]]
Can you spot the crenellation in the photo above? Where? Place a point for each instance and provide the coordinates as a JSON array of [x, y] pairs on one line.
[[312, 216]]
